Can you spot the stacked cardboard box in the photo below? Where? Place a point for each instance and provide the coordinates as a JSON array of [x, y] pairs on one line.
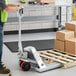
[[71, 43], [61, 37], [75, 34], [71, 26], [66, 39], [71, 46], [64, 35], [59, 45]]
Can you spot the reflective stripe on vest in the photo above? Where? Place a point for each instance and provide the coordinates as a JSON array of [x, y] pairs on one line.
[[4, 14]]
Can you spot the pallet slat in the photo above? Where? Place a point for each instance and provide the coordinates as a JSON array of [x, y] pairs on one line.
[[61, 57], [69, 65], [53, 59], [51, 51]]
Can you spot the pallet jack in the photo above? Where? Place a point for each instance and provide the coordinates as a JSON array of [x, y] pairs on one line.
[[30, 58]]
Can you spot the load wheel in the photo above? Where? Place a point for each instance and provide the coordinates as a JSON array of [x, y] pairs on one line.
[[25, 66]]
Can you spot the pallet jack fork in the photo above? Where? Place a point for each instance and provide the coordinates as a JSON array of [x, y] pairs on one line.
[[37, 62], [30, 58]]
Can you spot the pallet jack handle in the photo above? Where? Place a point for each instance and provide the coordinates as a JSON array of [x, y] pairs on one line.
[[20, 48], [20, 13]]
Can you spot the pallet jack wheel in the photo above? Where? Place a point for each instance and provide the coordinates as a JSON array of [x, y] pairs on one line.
[[25, 66], [20, 62]]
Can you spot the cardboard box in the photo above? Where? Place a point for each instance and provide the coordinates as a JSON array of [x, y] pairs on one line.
[[70, 46], [75, 34], [59, 45], [71, 26], [64, 35]]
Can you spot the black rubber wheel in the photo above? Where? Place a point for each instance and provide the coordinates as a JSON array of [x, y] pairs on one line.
[[25, 66]]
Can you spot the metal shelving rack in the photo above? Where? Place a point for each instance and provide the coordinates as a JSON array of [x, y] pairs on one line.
[[34, 18], [44, 17]]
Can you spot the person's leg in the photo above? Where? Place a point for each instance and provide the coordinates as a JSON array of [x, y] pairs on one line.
[[1, 43], [3, 70]]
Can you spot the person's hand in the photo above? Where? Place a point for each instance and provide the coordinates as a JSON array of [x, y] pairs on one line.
[[19, 7], [16, 6]]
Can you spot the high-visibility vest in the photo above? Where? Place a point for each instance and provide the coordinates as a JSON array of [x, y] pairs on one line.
[[4, 14]]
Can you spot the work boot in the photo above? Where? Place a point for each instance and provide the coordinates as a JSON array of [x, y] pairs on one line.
[[4, 70]]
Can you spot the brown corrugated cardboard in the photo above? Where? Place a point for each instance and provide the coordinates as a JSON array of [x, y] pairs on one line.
[[70, 46], [59, 45], [71, 26], [64, 35], [75, 34]]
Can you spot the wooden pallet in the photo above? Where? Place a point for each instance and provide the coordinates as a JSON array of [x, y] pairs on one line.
[[65, 59]]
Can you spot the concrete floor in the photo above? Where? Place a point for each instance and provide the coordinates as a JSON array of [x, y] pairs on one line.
[[11, 61], [30, 36]]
